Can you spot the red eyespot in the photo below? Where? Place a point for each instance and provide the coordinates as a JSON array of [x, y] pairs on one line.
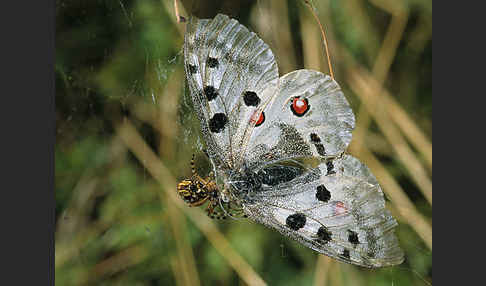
[[340, 208], [261, 118], [299, 106]]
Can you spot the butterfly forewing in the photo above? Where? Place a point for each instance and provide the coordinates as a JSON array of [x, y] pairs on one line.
[[228, 69], [339, 213]]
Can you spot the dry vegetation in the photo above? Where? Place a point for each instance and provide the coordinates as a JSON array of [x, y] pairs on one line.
[[125, 137]]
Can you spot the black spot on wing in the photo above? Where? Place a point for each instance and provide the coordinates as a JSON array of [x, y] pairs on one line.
[[345, 254], [192, 69], [316, 140], [251, 98], [330, 168], [210, 92], [323, 235], [323, 194], [296, 221], [213, 62], [353, 237], [218, 122], [320, 149]]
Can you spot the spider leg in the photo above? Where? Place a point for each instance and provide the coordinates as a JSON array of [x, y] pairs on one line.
[[200, 202], [193, 166]]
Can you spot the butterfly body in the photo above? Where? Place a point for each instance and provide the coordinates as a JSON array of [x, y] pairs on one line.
[[277, 147]]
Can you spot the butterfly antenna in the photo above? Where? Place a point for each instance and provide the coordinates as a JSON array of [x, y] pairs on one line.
[[312, 9], [180, 19]]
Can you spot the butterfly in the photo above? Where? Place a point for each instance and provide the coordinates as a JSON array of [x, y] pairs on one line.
[[277, 148]]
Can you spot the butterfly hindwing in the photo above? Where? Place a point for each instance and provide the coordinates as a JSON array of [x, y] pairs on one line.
[[231, 72], [340, 213]]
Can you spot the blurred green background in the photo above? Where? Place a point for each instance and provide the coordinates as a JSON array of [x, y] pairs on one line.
[[125, 134]]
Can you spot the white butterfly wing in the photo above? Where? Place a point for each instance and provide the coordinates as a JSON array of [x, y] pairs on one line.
[[309, 117], [230, 72], [252, 120], [340, 214]]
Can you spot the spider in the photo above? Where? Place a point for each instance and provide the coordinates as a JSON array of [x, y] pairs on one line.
[[196, 191]]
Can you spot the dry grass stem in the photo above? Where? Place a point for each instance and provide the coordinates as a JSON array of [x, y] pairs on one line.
[[393, 7], [118, 262], [311, 44], [357, 16], [380, 71], [335, 273], [185, 257], [366, 90], [175, 266], [401, 118], [321, 272], [283, 46]]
